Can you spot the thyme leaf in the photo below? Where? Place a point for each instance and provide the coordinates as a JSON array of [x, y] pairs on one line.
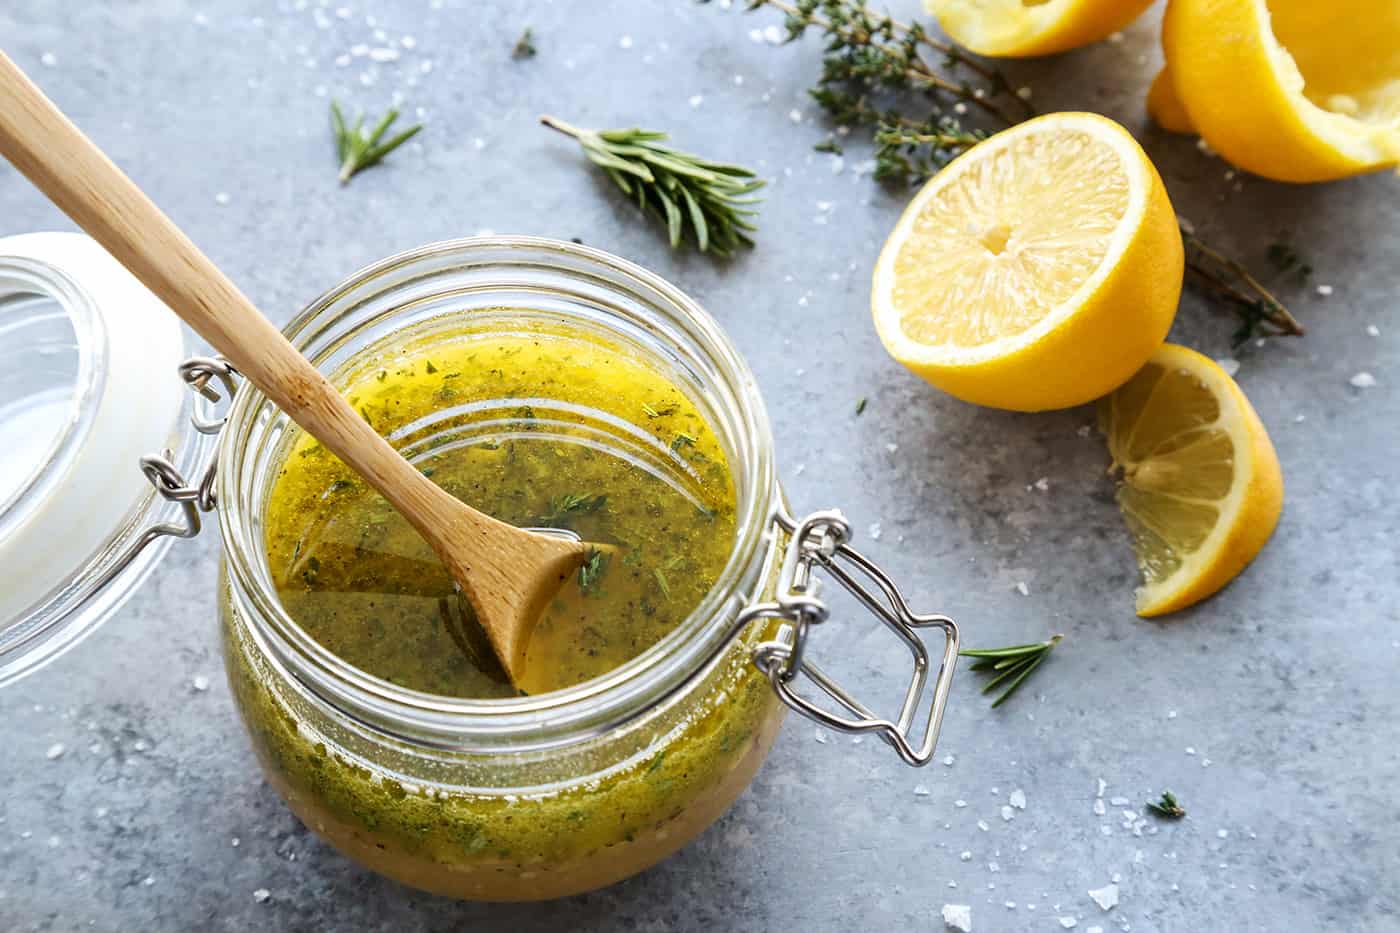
[[1168, 806], [592, 569], [569, 504]]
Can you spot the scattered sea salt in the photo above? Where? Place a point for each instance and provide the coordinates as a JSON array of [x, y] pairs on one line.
[[261, 894], [1106, 897], [625, 42], [960, 108], [820, 736], [891, 447], [1017, 799], [1190, 750], [982, 825], [222, 198], [48, 59], [1099, 808], [55, 751], [1069, 923], [795, 115], [1008, 814], [1363, 380], [1222, 834], [1171, 714], [875, 531], [696, 100], [1043, 484], [1324, 290], [959, 803], [408, 42], [1119, 801], [1024, 93], [958, 917], [948, 761], [149, 880], [773, 35], [384, 55], [234, 842], [1372, 330], [920, 790], [965, 856], [1022, 588]]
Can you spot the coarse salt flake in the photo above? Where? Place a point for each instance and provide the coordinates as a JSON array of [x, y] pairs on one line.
[[1008, 814], [1106, 897], [696, 100], [1018, 799], [625, 42], [55, 751], [1069, 923], [1324, 290], [200, 683], [958, 917], [1372, 330], [1022, 588], [261, 895], [1363, 380]]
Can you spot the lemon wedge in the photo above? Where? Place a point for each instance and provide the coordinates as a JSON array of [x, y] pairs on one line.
[[1024, 28], [1201, 487], [1038, 270], [1293, 90]]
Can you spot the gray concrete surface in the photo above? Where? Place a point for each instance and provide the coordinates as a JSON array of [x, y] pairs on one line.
[[1271, 710]]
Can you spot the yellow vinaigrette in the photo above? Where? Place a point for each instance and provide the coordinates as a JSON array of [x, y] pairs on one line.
[[534, 427]]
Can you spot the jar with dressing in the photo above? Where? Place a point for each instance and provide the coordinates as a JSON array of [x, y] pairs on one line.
[[550, 384]]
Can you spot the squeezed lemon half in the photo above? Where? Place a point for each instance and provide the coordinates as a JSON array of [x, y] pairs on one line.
[[1022, 28], [1201, 488], [1039, 270], [1293, 90]]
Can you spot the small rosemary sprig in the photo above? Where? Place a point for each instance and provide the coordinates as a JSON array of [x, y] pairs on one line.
[[591, 570], [703, 202], [872, 68], [569, 504], [356, 149], [1168, 806], [1013, 663]]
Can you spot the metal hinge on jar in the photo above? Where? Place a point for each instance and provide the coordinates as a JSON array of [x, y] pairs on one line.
[[819, 541], [160, 470]]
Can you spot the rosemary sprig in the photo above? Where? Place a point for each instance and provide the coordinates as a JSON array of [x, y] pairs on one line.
[[1168, 807], [1013, 663], [569, 504], [358, 150], [707, 203], [874, 66], [592, 569]]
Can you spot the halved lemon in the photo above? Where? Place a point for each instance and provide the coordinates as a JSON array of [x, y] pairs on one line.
[[1023, 28], [1039, 270], [1294, 90], [1201, 486]]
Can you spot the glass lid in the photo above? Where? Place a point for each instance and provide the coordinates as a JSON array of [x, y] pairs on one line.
[[88, 385]]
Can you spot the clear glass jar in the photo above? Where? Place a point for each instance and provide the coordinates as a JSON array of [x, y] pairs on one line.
[[539, 796]]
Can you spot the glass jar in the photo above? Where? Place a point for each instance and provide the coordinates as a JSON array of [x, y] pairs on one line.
[[538, 796], [557, 793]]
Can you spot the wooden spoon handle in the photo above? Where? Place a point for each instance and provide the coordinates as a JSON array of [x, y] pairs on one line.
[[80, 179]]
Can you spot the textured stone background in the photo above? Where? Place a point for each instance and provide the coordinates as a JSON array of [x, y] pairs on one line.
[[1285, 683]]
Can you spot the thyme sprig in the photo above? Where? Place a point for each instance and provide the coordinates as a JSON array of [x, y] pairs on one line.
[[592, 568], [358, 150], [1168, 806], [708, 204], [1013, 663], [874, 68]]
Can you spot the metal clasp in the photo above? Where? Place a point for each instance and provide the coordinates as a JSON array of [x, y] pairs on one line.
[[160, 470], [820, 542]]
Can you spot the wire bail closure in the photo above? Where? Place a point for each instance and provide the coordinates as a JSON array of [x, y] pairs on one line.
[[819, 541]]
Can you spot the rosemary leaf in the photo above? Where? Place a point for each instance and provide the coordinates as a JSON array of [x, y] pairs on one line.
[[524, 46], [1168, 806]]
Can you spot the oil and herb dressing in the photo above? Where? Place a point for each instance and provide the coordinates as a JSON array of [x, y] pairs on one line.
[[537, 429], [538, 426]]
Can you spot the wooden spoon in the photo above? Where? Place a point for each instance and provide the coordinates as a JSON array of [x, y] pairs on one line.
[[507, 574]]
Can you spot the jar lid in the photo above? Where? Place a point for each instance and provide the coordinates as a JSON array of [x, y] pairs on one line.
[[88, 384]]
